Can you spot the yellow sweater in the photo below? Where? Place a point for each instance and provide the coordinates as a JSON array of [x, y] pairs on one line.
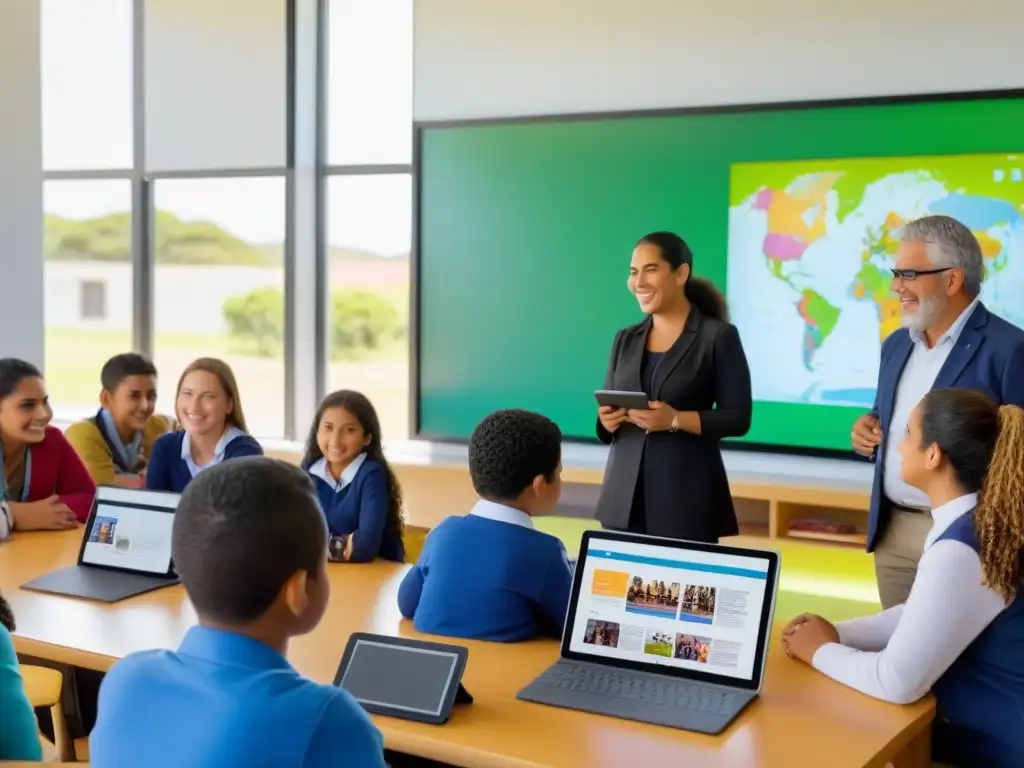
[[88, 441]]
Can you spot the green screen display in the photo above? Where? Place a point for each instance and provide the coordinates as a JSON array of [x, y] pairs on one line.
[[526, 229]]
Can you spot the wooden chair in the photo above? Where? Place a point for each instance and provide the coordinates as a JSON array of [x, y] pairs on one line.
[[44, 687], [413, 539]]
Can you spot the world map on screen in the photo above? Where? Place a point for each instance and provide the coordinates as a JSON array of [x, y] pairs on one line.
[[811, 244]]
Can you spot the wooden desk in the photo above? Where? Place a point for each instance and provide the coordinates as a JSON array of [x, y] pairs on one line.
[[803, 720]]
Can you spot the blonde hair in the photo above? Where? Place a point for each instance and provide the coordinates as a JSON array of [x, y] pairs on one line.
[[226, 376], [999, 518]]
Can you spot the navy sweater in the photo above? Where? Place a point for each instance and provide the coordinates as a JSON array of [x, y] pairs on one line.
[[167, 471], [488, 580], [361, 509], [981, 697]]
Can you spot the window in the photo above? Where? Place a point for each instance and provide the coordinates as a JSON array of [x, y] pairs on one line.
[[219, 287], [369, 82], [216, 84], [87, 235], [87, 84], [94, 300], [369, 221]]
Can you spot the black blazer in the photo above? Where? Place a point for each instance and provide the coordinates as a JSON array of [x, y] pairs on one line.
[[685, 486]]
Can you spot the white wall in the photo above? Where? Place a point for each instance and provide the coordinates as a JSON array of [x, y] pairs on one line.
[[21, 179], [525, 57]]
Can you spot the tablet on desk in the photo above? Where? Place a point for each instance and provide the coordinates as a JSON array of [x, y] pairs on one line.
[[619, 399], [410, 679]]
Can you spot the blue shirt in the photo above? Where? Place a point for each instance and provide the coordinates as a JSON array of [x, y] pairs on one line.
[[357, 504], [171, 467], [980, 698], [19, 732], [225, 699], [488, 576]]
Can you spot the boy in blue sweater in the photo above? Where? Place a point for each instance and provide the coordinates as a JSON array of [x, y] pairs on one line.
[[250, 545], [490, 575]]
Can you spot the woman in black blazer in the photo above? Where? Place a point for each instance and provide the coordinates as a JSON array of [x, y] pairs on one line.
[[665, 474]]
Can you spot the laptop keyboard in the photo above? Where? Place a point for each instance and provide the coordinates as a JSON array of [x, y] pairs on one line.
[[651, 689]]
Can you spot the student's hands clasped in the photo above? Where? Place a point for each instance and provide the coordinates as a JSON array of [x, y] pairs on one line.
[[866, 435], [805, 634], [47, 515]]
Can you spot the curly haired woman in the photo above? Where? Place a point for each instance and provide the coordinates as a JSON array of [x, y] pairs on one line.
[[961, 632]]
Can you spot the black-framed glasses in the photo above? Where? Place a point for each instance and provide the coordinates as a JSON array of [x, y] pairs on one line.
[[909, 275]]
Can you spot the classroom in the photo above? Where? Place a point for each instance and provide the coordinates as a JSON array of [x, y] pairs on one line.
[[441, 210]]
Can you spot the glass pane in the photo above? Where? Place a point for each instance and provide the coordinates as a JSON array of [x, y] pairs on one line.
[[87, 84], [369, 82], [216, 84], [219, 287], [369, 223], [87, 237]]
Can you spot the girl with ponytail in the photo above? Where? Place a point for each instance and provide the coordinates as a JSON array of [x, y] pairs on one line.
[[961, 632]]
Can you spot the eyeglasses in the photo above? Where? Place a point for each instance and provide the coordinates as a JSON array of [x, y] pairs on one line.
[[909, 275]]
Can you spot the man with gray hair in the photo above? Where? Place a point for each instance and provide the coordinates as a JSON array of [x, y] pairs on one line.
[[948, 339]]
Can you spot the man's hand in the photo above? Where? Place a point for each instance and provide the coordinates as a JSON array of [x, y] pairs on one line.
[[866, 435], [47, 515]]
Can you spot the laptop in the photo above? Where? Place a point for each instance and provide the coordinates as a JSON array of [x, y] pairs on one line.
[[126, 548], [663, 631]]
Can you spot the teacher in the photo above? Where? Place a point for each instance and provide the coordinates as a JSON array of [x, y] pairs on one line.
[[665, 474]]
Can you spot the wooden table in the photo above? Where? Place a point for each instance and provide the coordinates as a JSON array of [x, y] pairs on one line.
[[803, 720]]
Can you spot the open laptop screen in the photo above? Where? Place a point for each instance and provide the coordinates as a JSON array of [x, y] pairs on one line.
[[130, 529], [695, 609]]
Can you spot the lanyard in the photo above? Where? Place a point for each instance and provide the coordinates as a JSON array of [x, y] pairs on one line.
[[25, 485], [128, 454]]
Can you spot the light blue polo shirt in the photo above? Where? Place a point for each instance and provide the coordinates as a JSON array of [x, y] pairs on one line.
[[224, 699]]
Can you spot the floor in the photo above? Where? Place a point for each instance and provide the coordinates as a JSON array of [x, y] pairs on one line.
[[836, 582]]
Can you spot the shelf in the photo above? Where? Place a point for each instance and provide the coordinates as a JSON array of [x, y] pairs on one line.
[[852, 539]]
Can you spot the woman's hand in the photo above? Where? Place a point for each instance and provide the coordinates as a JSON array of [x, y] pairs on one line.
[[47, 515], [803, 636], [658, 418], [611, 417]]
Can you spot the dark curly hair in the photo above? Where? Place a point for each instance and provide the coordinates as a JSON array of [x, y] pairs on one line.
[[359, 405], [509, 449], [6, 614]]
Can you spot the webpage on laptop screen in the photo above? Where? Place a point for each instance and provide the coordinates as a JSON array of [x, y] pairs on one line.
[[658, 605], [134, 538]]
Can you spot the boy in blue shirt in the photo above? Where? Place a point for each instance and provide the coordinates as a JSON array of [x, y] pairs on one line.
[[250, 545], [490, 575]]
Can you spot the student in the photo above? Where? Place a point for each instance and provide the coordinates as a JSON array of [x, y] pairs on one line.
[[357, 489], [250, 546], [19, 732], [44, 484], [490, 575], [961, 631], [116, 443], [209, 410]]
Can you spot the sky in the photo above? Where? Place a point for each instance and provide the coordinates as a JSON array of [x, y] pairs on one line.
[[87, 121]]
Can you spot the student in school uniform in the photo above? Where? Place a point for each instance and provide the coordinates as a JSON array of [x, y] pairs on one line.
[[44, 485], [19, 731], [116, 443], [358, 492], [213, 429], [960, 633], [490, 575], [250, 545]]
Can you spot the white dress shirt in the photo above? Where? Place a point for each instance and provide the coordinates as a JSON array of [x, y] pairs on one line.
[[348, 474], [915, 382], [218, 452], [6, 520], [898, 654], [492, 510]]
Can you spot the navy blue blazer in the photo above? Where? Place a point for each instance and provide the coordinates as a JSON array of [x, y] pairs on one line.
[[988, 356]]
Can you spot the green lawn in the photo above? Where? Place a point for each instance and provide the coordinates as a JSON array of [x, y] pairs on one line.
[[74, 358]]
